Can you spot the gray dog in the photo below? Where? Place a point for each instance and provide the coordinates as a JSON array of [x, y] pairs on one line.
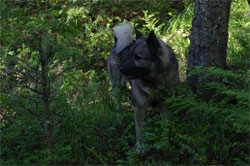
[[150, 65]]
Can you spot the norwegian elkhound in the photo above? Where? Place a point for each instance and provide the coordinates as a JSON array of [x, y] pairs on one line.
[[149, 64]]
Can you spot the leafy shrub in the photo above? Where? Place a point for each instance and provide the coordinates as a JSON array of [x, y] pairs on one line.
[[213, 128], [207, 128]]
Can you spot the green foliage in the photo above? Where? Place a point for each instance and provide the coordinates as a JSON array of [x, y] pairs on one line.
[[210, 127], [238, 50], [215, 120]]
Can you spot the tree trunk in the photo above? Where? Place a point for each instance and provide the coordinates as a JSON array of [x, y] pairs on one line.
[[208, 44], [44, 52], [47, 106]]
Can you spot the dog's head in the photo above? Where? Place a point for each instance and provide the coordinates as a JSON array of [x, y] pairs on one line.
[[143, 57]]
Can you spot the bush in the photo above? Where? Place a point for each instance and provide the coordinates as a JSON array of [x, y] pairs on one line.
[[210, 127]]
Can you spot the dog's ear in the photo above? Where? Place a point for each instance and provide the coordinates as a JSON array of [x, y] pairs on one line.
[[153, 43], [137, 34]]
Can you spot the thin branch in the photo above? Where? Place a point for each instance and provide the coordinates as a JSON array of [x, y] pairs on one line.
[[31, 112], [10, 120], [23, 83], [31, 98], [33, 90], [30, 69]]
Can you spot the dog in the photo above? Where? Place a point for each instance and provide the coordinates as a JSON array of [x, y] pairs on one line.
[[150, 65]]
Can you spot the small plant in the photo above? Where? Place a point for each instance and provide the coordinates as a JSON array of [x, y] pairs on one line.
[[210, 127]]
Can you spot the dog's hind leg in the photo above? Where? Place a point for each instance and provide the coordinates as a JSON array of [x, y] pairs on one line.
[[164, 112], [115, 79], [164, 107], [117, 94]]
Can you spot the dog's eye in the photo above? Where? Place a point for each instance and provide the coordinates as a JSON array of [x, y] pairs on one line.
[[137, 57]]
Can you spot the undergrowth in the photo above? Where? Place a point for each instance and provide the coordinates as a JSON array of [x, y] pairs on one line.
[[210, 127]]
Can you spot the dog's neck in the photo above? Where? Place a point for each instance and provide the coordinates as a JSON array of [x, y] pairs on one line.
[[149, 86]]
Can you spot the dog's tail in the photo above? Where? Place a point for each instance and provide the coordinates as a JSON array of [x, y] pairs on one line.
[[123, 37]]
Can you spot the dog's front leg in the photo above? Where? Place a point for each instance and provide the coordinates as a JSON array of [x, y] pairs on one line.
[[140, 112], [141, 102]]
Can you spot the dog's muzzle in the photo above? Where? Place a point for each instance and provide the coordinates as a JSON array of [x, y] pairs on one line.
[[135, 72], [125, 72]]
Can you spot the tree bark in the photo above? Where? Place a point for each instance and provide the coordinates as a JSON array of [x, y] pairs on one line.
[[44, 52], [208, 44], [46, 103]]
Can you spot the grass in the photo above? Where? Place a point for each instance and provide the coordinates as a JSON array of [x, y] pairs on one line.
[[88, 130]]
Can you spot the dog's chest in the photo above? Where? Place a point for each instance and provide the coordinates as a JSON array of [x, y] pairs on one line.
[[150, 87]]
